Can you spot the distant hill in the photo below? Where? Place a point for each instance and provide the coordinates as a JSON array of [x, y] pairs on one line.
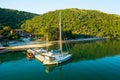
[[13, 18], [75, 23]]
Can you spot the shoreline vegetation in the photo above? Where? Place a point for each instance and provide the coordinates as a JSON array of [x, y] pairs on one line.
[[76, 23], [79, 23], [24, 46]]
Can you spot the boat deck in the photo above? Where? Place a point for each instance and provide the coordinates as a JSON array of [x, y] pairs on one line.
[[40, 57], [49, 60]]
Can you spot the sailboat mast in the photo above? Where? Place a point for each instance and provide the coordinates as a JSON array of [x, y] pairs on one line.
[[47, 40], [60, 34]]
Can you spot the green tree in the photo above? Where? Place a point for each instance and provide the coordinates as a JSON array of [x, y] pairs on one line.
[[75, 23]]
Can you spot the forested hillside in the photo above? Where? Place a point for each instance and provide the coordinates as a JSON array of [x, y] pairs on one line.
[[13, 18], [75, 23]]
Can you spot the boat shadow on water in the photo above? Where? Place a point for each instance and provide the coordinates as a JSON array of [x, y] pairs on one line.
[[50, 68]]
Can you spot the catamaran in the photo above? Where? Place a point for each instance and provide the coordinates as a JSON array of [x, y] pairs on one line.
[[53, 56], [57, 56]]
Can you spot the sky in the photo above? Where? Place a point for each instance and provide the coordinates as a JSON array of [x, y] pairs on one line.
[[43, 6]]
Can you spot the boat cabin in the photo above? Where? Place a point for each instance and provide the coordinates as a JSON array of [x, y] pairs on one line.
[[54, 52], [49, 58]]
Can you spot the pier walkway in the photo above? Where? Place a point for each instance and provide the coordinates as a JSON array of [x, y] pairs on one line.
[[24, 47]]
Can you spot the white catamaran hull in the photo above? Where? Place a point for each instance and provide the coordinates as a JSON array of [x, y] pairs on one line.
[[59, 59]]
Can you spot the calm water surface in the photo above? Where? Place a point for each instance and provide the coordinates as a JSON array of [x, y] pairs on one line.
[[98, 60]]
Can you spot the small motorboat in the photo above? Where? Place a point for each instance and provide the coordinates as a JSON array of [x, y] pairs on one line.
[[3, 50], [30, 55]]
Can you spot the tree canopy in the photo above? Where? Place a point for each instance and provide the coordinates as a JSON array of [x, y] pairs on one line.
[[13, 18], [76, 22]]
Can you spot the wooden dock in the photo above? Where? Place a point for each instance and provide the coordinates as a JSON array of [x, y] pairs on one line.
[[24, 47], [37, 55], [40, 57]]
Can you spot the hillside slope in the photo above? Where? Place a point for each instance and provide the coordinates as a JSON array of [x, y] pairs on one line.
[[13, 18], [75, 23]]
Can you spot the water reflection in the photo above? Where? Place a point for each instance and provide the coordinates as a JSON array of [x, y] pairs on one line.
[[79, 50], [95, 50], [29, 58], [12, 56], [50, 68], [98, 60]]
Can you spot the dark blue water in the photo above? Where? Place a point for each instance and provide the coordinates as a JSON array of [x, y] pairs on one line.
[[90, 61]]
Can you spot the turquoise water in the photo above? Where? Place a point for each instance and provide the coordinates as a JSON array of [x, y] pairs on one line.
[[98, 60]]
